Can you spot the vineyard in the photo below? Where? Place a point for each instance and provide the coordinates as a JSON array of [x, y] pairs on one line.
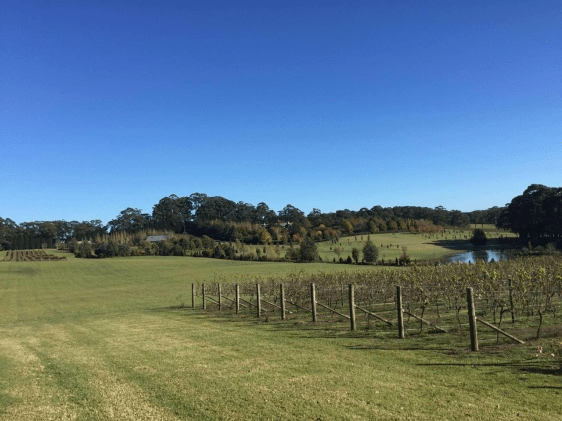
[[513, 300], [30, 256], [118, 338]]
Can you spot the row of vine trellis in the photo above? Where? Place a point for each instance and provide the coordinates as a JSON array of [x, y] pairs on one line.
[[29, 256], [525, 289]]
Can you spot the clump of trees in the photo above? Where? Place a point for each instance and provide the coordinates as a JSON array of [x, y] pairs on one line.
[[536, 215], [228, 221], [306, 253], [119, 245]]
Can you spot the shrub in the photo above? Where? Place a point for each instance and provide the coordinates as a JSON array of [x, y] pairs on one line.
[[355, 255], [219, 252], [405, 258], [308, 251], [84, 249], [73, 245], [292, 255], [112, 248], [370, 252], [124, 250], [479, 238], [149, 248]]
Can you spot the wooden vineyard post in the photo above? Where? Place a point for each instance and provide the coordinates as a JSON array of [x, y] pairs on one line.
[[237, 298], [510, 286], [472, 320], [258, 299], [313, 301], [203, 296], [400, 312], [192, 295], [352, 306], [219, 290], [282, 296]]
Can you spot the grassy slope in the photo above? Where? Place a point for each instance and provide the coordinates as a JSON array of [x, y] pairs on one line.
[[419, 246], [101, 339]]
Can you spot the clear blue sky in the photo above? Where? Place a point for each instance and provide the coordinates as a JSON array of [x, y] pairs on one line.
[[106, 105]]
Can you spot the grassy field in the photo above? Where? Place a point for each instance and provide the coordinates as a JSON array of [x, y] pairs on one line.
[[107, 339], [420, 247]]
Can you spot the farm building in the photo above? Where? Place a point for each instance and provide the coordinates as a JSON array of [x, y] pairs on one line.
[[156, 238]]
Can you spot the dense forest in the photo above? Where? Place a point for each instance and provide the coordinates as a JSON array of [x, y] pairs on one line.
[[225, 220]]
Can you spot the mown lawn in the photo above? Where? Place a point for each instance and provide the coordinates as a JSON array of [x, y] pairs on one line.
[[420, 247], [106, 339], [389, 245]]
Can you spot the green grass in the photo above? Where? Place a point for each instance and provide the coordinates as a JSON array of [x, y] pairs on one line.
[[105, 339], [420, 247], [389, 246]]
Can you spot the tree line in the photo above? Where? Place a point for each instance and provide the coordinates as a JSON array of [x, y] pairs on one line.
[[225, 220]]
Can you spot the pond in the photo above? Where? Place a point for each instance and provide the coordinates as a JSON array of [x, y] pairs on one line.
[[485, 255]]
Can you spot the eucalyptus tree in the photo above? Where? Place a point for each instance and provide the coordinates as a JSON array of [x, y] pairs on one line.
[[291, 214], [130, 220], [197, 199], [48, 232], [315, 217], [264, 214], [173, 213], [216, 208], [8, 229], [245, 212]]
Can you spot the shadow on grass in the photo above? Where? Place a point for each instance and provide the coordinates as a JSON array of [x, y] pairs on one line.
[[388, 346], [459, 245], [173, 308], [453, 245], [544, 370], [524, 365]]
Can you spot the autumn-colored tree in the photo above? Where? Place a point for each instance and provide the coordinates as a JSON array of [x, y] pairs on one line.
[[405, 258], [265, 237], [338, 250], [347, 226]]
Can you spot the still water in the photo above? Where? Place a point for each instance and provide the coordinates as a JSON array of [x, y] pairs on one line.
[[486, 255]]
